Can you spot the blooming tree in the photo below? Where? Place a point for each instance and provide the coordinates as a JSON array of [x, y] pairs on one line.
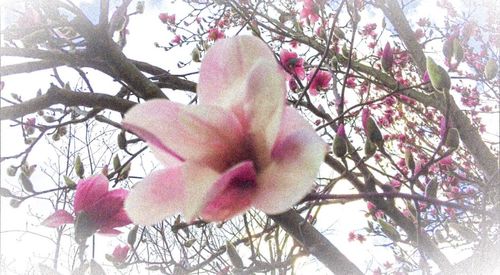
[[278, 117]]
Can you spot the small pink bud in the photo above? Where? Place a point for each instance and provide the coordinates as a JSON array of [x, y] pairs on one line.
[[341, 130], [387, 58]]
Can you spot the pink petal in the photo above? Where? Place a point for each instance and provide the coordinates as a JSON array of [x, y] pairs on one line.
[[232, 194], [225, 68], [88, 191], [297, 155], [58, 218], [180, 189], [107, 207], [186, 132], [118, 220], [263, 107], [110, 232], [159, 195], [120, 253]]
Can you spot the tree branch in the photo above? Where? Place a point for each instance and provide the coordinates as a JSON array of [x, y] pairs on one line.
[[56, 95], [315, 242]]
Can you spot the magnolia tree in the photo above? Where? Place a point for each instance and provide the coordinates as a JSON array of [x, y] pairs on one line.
[[261, 124]]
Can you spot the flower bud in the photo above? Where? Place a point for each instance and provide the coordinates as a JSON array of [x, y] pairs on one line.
[[195, 55], [122, 141], [370, 149], [458, 51], [448, 48], [62, 131], [439, 77], [70, 183], [340, 143], [56, 137], [116, 163], [26, 183], [125, 171], [491, 69], [452, 139], [374, 133], [4, 192], [431, 189], [234, 257], [339, 146], [338, 33], [387, 58], [389, 230], [79, 170], [15, 203], [409, 161], [139, 8], [132, 236], [49, 119], [11, 171], [29, 130], [189, 242], [345, 51]]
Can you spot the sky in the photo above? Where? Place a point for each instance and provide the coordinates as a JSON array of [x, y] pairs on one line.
[[19, 248]]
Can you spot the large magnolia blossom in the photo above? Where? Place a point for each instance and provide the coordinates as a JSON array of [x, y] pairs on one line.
[[240, 147], [96, 209]]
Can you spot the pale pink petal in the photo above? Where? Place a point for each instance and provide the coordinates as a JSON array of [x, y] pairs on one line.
[[225, 68], [180, 189], [110, 232], [120, 253], [186, 132], [57, 219], [159, 195], [88, 191], [297, 155], [107, 207], [232, 194], [199, 180], [263, 107]]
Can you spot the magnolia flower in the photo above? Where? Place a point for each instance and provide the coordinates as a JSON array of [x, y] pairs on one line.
[[240, 147], [292, 63], [215, 34], [176, 39], [165, 18], [119, 254], [96, 209], [320, 82], [310, 11]]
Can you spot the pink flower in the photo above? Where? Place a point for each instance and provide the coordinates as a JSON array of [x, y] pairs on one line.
[[176, 39], [165, 18], [351, 82], [120, 253], [96, 209], [215, 34], [352, 236], [446, 161], [240, 147], [292, 63], [320, 82], [310, 11]]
